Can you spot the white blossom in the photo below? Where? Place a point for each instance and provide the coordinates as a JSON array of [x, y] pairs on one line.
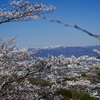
[[22, 10]]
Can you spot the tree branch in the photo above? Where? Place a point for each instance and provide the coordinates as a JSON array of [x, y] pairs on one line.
[[73, 26]]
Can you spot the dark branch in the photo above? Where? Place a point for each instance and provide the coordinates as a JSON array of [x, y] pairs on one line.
[[73, 26]]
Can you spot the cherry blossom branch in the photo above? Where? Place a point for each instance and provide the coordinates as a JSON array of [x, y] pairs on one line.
[[21, 78], [21, 10]]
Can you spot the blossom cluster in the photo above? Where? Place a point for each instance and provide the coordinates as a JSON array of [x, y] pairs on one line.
[[22, 10], [16, 67]]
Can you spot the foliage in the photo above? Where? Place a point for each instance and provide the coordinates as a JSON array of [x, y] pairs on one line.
[[65, 93], [98, 77], [38, 81], [72, 94], [83, 75], [85, 96]]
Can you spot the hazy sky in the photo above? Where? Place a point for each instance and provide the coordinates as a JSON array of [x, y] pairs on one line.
[[41, 33]]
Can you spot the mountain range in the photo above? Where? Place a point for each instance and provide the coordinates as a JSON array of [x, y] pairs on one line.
[[68, 51]]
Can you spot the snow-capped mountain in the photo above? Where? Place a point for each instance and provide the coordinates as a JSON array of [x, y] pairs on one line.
[[68, 51]]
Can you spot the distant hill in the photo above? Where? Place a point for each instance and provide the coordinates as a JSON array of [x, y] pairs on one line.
[[68, 51]]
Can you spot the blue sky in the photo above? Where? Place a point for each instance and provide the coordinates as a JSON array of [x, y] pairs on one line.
[[41, 33]]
